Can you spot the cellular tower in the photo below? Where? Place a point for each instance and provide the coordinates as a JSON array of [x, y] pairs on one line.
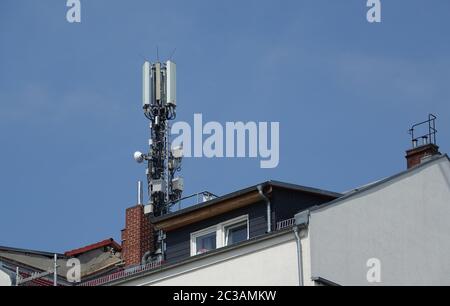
[[159, 103]]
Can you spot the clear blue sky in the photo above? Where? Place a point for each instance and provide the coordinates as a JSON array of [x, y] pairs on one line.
[[344, 91]]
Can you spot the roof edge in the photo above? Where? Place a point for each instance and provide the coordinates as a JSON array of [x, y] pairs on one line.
[[244, 191], [94, 246], [27, 251], [351, 194]]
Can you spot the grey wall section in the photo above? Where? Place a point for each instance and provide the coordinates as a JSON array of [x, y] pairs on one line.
[[405, 223], [286, 203], [178, 241]]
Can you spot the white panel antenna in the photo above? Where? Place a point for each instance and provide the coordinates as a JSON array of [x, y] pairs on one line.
[[158, 81], [146, 84], [171, 83]]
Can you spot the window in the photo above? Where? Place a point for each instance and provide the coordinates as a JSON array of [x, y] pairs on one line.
[[222, 234], [236, 233], [206, 243]]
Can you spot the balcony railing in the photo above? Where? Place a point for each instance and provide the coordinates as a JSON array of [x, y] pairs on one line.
[[191, 200], [122, 274], [285, 224]]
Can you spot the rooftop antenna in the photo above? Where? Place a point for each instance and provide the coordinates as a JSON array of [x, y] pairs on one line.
[[427, 133], [159, 104]]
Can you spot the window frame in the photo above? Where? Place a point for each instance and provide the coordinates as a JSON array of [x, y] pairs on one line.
[[221, 232], [203, 232], [225, 226]]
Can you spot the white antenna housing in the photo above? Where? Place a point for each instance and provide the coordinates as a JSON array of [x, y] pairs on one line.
[[171, 83], [158, 81], [146, 84]]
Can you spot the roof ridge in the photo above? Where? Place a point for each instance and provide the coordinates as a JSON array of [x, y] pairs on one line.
[[93, 246]]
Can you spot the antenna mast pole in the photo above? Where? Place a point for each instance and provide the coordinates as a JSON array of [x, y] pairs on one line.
[[159, 106]]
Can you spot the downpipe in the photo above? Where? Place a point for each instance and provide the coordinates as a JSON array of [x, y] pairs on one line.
[[301, 222], [269, 209], [299, 255]]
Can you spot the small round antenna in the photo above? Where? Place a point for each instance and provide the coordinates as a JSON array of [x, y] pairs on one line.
[[138, 157]]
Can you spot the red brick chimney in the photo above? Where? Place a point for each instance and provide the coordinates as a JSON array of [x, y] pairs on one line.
[[422, 146], [415, 156], [137, 237]]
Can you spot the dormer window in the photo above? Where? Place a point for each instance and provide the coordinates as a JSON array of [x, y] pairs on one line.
[[206, 243], [220, 235], [236, 233]]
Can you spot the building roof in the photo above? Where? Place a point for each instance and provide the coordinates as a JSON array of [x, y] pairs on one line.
[[28, 251], [108, 242], [243, 192], [94, 260]]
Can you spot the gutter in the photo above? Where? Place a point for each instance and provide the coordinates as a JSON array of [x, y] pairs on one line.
[[301, 222]]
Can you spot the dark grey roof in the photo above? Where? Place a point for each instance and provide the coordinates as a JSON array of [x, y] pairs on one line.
[[366, 188], [325, 281], [295, 187], [26, 251], [278, 184]]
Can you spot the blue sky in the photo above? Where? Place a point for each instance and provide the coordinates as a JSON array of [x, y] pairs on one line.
[[344, 91]]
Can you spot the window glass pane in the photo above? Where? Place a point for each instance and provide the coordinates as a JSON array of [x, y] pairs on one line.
[[206, 243], [237, 233]]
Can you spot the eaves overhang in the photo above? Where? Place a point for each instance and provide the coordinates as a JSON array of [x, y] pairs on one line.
[[229, 202]]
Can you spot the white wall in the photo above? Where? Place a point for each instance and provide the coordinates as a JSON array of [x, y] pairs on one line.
[[270, 262], [405, 223], [306, 259], [5, 280]]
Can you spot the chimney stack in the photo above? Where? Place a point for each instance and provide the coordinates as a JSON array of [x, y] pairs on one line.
[[422, 146], [415, 156], [137, 237]]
